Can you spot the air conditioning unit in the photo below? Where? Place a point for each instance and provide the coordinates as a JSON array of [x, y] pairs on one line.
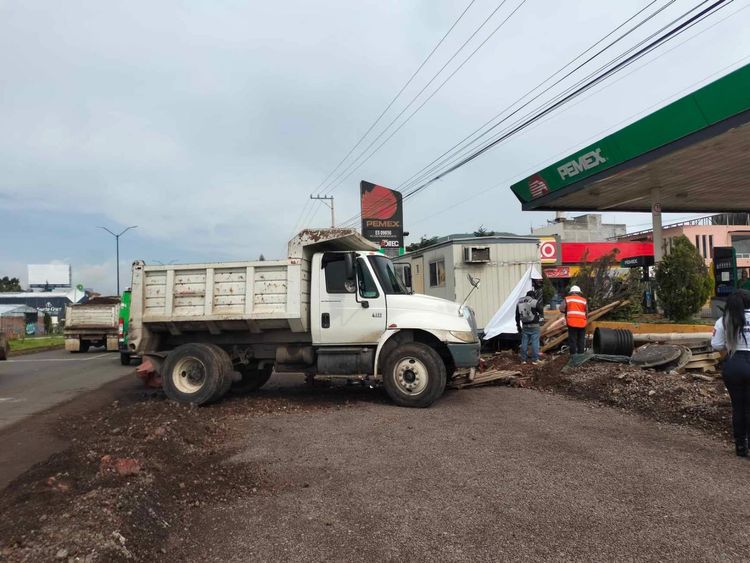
[[476, 254]]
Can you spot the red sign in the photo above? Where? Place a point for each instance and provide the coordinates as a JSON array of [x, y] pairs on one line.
[[559, 272], [537, 186], [580, 252], [548, 250]]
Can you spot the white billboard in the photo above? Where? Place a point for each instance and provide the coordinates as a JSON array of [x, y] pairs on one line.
[[49, 275]]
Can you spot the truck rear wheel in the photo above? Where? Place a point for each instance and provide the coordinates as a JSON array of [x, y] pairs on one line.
[[124, 358], [227, 370], [193, 373], [414, 375], [253, 378], [84, 346]]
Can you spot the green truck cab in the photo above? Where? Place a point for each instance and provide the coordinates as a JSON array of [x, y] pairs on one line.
[[122, 329]]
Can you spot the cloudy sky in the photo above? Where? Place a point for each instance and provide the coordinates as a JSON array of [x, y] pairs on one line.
[[208, 124]]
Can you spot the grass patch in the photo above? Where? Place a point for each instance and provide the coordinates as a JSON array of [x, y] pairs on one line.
[[32, 343]]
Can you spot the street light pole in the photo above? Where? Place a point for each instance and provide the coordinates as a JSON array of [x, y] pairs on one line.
[[117, 246]]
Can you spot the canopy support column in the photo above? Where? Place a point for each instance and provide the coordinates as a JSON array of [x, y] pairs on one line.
[[656, 223]]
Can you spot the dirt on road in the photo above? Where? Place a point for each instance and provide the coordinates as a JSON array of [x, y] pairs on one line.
[[679, 398], [147, 479], [132, 474]]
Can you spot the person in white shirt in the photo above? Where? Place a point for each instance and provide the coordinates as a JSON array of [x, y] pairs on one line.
[[732, 333]]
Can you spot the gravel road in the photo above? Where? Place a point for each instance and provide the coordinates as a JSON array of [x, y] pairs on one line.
[[485, 474]]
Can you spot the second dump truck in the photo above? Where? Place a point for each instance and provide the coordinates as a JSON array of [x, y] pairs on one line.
[[334, 307]]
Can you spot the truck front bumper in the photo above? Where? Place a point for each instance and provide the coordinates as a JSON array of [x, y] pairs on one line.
[[465, 355]]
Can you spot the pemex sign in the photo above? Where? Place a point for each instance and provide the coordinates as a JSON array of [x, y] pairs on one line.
[[382, 217]]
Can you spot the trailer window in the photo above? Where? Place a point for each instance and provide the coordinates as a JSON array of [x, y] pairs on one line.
[[335, 272], [386, 275], [437, 273]]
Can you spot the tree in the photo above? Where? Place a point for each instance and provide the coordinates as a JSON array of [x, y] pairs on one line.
[[600, 285], [8, 285], [548, 290], [482, 232], [47, 323], [423, 242], [683, 284], [262, 258]]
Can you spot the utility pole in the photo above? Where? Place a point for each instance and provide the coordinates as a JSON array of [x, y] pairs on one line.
[[325, 199], [117, 246]]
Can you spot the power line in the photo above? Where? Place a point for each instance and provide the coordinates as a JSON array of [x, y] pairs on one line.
[[398, 94], [308, 210], [546, 80], [558, 101], [349, 170], [596, 136], [430, 168], [565, 97]]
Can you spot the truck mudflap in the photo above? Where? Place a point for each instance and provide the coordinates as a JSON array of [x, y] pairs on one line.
[[465, 355]]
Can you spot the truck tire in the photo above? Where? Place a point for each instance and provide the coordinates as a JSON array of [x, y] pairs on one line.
[[193, 373], [253, 378], [414, 375], [84, 346], [228, 369], [125, 358]]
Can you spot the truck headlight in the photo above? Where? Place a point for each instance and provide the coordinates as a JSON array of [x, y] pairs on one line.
[[464, 335]]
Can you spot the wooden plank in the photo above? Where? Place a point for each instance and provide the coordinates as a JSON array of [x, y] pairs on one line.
[[155, 291], [270, 275], [266, 299], [270, 287], [156, 279], [229, 288], [192, 276], [598, 313], [224, 300], [229, 276]]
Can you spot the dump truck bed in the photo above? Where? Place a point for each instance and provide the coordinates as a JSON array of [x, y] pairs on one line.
[[92, 316], [255, 295]]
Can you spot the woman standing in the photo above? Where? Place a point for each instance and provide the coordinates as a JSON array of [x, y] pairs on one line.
[[732, 333]]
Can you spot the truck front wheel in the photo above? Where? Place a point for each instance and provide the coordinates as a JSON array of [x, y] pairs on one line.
[[414, 375], [193, 373]]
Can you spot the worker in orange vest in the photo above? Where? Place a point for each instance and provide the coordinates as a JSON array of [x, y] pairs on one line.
[[575, 308]]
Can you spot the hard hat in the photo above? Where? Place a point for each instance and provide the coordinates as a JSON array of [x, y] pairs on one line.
[[575, 289]]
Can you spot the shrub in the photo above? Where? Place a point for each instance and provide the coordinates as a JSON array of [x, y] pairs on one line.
[[683, 283]]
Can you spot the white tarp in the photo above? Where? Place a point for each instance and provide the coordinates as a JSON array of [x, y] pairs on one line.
[[504, 320]]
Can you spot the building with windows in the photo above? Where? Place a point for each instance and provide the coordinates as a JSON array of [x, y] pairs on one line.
[[707, 233], [584, 228], [443, 269]]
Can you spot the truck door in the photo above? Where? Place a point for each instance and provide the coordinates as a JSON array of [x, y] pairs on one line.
[[352, 311]]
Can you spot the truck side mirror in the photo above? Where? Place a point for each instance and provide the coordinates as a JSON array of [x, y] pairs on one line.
[[349, 265]]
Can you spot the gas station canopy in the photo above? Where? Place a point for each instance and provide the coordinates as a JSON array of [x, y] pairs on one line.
[[690, 156]]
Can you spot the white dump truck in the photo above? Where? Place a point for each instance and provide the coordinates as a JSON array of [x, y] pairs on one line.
[[333, 308], [93, 323]]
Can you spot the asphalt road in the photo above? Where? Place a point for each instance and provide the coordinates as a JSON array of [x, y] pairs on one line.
[[486, 474], [35, 382]]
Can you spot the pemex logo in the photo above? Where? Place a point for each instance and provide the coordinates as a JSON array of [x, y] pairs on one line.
[[537, 186], [379, 203]]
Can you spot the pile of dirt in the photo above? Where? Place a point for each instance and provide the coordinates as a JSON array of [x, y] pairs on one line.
[[133, 474], [665, 397]]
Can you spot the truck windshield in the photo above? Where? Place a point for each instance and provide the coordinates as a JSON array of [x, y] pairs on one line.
[[390, 282]]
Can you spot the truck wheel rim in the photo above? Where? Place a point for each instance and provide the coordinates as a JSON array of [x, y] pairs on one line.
[[189, 375], [411, 376]]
